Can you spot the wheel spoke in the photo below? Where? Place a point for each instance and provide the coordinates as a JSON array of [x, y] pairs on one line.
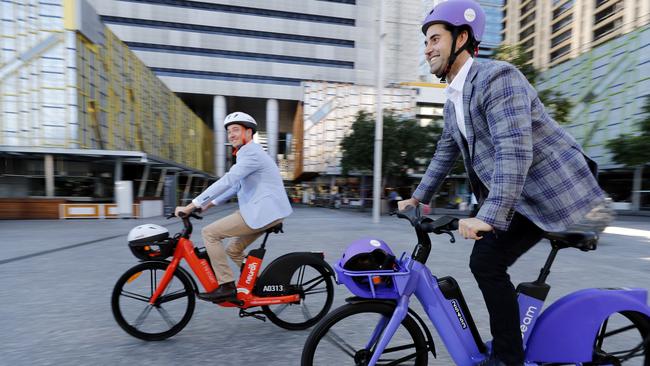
[[134, 296], [172, 296], [399, 348], [601, 334], [305, 311], [145, 312], [402, 359], [339, 343], [317, 291], [152, 281], [165, 316], [321, 280], [301, 272], [618, 331], [280, 309]]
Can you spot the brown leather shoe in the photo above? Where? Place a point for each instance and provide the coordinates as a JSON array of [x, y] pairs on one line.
[[227, 291]]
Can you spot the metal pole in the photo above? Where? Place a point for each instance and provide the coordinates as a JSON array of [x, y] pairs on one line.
[[49, 175], [379, 120]]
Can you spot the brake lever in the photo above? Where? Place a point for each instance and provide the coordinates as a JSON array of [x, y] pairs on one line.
[[196, 216], [448, 232], [170, 216]]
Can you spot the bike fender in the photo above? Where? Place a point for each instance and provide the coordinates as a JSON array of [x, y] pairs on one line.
[[281, 269], [565, 332], [181, 270]]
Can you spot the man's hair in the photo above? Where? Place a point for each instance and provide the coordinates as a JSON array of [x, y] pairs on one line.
[[471, 43]]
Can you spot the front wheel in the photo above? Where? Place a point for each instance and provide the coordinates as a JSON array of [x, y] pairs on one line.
[[349, 335], [314, 284], [170, 314], [623, 338]]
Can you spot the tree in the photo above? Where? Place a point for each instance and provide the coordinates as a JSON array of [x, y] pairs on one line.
[[554, 101], [632, 151], [406, 145]]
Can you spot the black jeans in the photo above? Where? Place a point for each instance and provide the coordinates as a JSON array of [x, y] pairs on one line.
[[489, 263]]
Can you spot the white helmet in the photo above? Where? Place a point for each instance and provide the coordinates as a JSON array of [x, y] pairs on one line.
[[147, 233], [240, 118]]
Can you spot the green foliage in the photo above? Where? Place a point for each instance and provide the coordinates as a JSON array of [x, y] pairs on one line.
[[515, 55], [632, 150], [558, 106], [406, 145]]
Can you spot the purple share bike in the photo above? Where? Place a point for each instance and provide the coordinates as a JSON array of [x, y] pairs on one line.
[[597, 326]]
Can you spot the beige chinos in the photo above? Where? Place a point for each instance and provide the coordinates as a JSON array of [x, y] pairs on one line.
[[231, 226]]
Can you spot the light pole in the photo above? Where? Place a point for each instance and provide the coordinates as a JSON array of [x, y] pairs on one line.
[[379, 119]]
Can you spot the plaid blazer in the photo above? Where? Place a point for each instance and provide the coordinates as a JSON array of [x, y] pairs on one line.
[[524, 158]]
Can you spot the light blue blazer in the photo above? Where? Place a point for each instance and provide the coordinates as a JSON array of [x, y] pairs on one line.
[[257, 182]]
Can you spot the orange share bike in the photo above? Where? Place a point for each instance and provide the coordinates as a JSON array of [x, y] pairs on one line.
[[155, 299]]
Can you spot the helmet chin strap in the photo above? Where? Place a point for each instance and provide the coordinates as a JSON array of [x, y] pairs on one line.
[[454, 54]]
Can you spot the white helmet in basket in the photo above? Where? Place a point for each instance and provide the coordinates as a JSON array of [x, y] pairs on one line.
[[148, 233]]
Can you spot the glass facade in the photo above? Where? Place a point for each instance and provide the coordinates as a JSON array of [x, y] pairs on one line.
[[493, 26]]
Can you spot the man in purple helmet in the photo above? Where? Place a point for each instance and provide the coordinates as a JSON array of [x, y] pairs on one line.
[[528, 174]]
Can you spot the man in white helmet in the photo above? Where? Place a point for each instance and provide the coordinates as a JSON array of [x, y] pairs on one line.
[[263, 203]]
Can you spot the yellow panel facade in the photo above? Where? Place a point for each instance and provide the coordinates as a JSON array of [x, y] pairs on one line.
[[71, 84]]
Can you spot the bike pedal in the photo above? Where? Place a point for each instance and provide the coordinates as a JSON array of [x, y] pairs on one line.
[[244, 314]]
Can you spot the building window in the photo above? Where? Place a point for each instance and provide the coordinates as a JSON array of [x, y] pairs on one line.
[[530, 30], [600, 2], [559, 25], [608, 12], [250, 11], [529, 18], [560, 38], [228, 31], [562, 9], [560, 52], [528, 7], [607, 29], [528, 44]]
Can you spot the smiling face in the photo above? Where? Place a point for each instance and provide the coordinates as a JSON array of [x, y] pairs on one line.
[[236, 134], [438, 47]]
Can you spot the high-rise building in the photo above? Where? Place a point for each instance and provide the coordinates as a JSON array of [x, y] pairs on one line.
[[552, 32], [224, 55]]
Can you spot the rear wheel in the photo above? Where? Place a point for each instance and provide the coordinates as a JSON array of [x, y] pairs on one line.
[[170, 314], [314, 284], [623, 338], [349, 335]]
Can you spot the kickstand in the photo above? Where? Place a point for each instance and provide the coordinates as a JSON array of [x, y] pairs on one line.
[[243, 314]]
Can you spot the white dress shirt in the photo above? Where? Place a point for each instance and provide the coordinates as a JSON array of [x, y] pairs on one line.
[[455, 93]]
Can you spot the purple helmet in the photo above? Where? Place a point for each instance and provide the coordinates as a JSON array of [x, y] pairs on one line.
[[457, 13], [367, 254]]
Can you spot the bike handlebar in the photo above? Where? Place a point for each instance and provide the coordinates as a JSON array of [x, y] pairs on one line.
[[423, 226], [186, 220]]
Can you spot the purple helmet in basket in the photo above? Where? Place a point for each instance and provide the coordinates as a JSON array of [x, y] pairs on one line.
[[368, 255], [458, 15]]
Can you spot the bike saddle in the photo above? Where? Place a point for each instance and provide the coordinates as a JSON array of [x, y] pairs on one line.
[[275, 229], [583, 240]]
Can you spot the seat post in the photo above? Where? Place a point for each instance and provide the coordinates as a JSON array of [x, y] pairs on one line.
[[264, 242], [546, 270]]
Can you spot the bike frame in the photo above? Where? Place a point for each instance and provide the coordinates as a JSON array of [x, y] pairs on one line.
[[203, 271], [573, 317]]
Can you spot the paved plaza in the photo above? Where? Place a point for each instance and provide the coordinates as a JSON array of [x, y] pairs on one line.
[[56, 279]]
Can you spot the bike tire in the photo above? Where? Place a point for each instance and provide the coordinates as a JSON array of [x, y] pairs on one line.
[[616, 346], [179, 298], [365, 312], [284, 315]]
